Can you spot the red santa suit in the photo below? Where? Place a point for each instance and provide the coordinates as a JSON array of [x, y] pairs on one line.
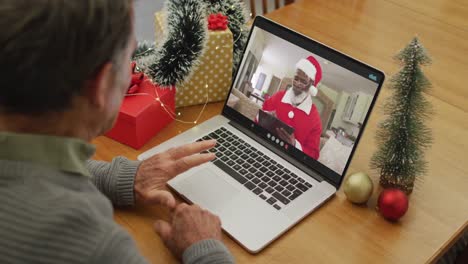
[[304, 118]]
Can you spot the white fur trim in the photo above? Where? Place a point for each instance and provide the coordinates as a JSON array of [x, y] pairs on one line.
[[313, 90], [307, 67], [305, 106], [298, 145]]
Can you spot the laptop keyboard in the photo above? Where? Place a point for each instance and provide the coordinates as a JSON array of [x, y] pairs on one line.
[[257, 172]]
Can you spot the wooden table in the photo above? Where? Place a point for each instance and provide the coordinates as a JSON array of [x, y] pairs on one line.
[[339, 232]]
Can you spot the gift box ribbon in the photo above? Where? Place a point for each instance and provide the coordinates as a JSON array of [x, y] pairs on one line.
[[137, 79], [217, 22]]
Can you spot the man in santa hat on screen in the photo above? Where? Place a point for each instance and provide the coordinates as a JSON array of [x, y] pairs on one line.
[[295, 107]]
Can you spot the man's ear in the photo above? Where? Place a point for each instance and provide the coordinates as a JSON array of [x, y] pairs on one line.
[[97, 88]]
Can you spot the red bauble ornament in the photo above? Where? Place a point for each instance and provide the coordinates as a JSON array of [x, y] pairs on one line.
[[392, 204]]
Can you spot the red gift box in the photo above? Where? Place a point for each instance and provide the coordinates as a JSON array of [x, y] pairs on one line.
[[142, 116]]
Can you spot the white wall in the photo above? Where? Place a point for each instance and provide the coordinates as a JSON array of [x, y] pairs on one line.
[[256, 47], [275, 61], [282, 53], [331, 93], [278, 57], [340, 107], [269, 70]]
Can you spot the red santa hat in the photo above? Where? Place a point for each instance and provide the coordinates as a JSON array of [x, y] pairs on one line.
[[311, 67]]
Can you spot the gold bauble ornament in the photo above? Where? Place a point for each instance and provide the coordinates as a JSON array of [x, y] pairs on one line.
[[358, 187]]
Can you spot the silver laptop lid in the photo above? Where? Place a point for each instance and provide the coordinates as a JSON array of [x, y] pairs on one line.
[[319, 99]]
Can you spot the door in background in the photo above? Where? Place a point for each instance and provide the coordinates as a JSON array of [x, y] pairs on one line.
[[274, 85]]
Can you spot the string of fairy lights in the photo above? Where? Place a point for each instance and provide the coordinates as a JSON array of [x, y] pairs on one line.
[[166, 108]]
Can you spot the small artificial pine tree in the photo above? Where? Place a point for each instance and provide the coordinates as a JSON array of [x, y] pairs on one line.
[[403, 136]]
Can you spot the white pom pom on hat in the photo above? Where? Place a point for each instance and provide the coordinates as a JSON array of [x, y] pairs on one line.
[[311, 67]]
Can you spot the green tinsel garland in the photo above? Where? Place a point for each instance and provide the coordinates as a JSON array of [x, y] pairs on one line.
[[184, 44], [172, 62], [144, 48]]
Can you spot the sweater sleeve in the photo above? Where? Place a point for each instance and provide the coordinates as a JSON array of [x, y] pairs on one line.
[[207, 252], [115, 179], [117, 247], [271, 103]]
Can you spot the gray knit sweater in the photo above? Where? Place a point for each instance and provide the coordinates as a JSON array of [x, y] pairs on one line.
[[53, 209]]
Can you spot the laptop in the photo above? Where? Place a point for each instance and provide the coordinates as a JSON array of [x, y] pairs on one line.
[[261, 185]]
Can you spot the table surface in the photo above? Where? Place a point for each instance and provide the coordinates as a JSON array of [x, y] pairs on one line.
[[340, 232]]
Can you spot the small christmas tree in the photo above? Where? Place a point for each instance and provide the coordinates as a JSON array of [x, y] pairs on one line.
[[403, 136]]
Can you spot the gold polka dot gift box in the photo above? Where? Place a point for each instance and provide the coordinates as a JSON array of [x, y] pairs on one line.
[[211, 79]]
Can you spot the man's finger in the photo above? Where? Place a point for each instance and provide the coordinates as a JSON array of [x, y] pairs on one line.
[[180, 208], [163, 229], [163, 198], [189, 162], [281, 133], [192, 148], [286, 134], [290, 137], [278, 131]]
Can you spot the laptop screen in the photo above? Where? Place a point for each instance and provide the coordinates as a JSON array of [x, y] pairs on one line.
[[307, 100]]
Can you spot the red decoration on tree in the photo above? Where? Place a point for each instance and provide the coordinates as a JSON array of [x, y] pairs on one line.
[[392, 204], [217, 22], [137, 79]]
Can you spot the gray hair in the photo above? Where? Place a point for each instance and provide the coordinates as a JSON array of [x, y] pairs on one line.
[[50, 48]]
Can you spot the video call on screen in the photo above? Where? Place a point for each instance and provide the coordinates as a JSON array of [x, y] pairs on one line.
[[324, 126]]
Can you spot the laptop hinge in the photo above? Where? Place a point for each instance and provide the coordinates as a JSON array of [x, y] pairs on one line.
[[268, 145]]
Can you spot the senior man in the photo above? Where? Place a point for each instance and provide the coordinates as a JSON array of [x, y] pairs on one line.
[[65, 70]]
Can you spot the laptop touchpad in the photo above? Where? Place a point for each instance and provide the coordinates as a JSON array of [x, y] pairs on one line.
[[208, 190]]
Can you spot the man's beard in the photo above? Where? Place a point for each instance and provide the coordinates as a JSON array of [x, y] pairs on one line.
[[297, 99]]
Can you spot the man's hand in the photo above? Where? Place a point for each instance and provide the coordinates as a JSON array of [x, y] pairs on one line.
[[273, 113], [289, 138], [189, 225], [153, 173]]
